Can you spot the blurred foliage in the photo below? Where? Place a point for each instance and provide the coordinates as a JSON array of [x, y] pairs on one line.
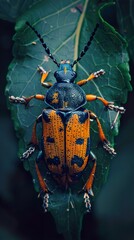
[[18, 203], [10, 10], [125, 18]]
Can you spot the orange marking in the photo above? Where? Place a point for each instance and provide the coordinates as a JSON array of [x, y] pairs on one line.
[[75, 130], [54, 129], [55, 97], [65, 104], [63, 144]]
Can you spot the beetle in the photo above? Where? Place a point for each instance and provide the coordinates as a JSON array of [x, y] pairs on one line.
[[65, 122]]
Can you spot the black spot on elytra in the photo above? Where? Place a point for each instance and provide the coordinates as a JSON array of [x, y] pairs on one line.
[[53, 161], [50, 140], [77, 160], [80, 141], [61, 129]]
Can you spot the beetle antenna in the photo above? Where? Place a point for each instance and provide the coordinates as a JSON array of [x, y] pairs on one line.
[[43, 44], [86, 46]]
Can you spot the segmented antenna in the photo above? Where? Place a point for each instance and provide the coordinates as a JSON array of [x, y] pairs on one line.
[[43, 44], [86, 46]]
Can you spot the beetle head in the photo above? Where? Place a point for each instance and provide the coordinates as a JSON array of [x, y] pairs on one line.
[[65, 73]]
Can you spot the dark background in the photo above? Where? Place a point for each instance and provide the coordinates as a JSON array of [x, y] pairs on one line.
[[21, 213]]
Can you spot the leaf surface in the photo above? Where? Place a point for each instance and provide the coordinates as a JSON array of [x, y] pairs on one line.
[[66, 30], [10, 10], [125, 17]]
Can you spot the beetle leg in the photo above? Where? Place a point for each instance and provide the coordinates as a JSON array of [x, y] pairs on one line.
[[41, 180], [88, 186], [44, 189], [44, 75], [34, 140], [109, 105], [91, 97], [26, 100], [105, 142], [91, 76], [27, 153]]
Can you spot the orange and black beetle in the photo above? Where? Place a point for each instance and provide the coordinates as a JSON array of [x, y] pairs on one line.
[[66, 125]]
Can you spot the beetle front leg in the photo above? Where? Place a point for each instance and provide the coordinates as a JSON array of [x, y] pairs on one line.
[[91, 76], [44, 75]]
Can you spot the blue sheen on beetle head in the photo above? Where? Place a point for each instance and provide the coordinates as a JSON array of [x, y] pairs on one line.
[[65, 73]]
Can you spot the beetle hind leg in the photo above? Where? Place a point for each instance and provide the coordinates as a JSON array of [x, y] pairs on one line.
[[88, 186], [44, 193], [105, 143]]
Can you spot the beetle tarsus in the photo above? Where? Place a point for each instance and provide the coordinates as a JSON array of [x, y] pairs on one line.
[[87, 202], [21, 100], [99, 73], [28, 153], [45, 202], [41, 69], [112, 107], [107, 147]]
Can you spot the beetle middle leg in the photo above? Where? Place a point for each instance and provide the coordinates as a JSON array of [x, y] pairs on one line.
[[105, 142], [109, 105], [91, 76], [33, 142], [26, 100]]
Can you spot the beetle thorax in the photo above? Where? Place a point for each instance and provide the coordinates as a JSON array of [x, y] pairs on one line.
[[65, 96]]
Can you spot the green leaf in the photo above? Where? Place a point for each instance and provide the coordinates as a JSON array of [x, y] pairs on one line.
[[125, 17], [66, 30], [10, 10]]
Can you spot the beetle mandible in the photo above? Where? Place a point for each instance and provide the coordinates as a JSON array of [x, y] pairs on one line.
[[66, 125]]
